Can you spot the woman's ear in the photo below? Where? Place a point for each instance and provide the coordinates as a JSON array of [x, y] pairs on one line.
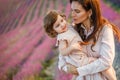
[[89, 13]]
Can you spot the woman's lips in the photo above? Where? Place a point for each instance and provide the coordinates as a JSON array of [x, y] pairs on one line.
[[74, 19]]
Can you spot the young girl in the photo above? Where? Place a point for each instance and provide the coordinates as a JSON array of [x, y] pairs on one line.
[[69, 41]]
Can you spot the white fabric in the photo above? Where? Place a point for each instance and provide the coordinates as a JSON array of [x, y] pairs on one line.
[[104, 51], [77, 58], [69, 35]]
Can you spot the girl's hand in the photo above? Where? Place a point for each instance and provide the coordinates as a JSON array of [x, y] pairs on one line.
[[72, 69], [76, 46]]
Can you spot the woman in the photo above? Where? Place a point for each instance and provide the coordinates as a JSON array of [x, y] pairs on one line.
[[97, 33]]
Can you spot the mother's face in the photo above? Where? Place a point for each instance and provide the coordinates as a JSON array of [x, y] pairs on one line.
[[79, 14]]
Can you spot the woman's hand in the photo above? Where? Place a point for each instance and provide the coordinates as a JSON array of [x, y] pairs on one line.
[[72, 69]]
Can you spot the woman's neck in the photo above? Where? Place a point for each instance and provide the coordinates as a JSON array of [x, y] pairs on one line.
[[87, 24]]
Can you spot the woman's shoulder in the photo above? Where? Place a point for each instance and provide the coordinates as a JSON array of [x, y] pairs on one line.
[[106, 30], [106, 27]]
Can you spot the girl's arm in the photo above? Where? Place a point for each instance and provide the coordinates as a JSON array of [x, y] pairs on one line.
[[65, 48], [62, 63], [69, 42]]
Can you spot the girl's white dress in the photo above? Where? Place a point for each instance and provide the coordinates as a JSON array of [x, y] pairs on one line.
[[77, 57], [104, 51]]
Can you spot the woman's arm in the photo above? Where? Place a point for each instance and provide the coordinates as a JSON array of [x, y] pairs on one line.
[[106, 55]]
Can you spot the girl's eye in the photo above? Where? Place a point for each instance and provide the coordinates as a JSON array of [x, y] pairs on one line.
[[57, 26], [62, 20]]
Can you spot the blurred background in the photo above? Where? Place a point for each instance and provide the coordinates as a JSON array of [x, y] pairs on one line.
[[26, 52]]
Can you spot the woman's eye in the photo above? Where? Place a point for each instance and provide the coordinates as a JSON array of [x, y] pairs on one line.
[[77, 11]]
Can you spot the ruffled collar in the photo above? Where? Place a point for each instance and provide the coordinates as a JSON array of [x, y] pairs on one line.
[[87, 33]]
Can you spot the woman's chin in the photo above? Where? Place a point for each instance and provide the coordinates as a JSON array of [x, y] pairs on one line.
[[76, 22]]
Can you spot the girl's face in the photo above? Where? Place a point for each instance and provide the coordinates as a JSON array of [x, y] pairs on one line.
[[79, 14], [60, 25]]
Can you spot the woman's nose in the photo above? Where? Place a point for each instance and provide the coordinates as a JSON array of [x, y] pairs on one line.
[[73, 14]]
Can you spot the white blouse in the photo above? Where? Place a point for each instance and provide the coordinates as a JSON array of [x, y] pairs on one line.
[[104, 51]]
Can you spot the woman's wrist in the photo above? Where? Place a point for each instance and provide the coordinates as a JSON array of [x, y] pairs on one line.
[[72, 69]]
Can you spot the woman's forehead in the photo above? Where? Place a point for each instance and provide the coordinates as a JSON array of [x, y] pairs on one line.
[[76, 5]]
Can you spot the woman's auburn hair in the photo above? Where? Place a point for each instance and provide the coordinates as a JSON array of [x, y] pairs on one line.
[[98, 21]]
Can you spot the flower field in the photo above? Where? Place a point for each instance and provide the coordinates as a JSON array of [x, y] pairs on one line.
[[26, 52]]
